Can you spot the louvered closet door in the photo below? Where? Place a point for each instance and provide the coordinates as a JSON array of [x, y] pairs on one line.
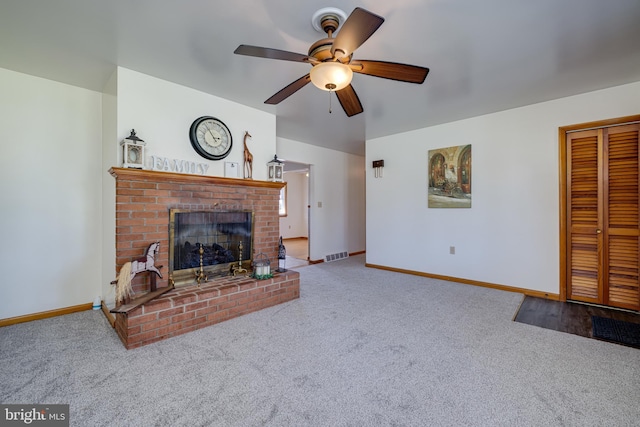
[[584, 240], [622, 225], [604, 225]]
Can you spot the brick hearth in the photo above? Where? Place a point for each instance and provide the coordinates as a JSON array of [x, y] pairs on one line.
[[143, 201], [188, 308]]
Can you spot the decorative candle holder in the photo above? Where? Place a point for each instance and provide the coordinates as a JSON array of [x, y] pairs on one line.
[[262, 267]]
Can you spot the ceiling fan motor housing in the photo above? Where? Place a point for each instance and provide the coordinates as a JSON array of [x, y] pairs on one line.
[[321, 50]]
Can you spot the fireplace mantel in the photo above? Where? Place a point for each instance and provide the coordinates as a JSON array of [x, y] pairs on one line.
[[189, 178]]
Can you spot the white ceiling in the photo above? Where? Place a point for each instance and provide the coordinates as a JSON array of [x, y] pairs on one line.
[[484, 56]]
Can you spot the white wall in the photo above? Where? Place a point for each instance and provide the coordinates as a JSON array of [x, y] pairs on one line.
[[50, 187], [295, 224], [109, 158], [162, 112], [337, 182], [510, 236]]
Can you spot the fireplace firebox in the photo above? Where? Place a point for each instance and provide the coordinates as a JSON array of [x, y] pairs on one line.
[[213, 240]]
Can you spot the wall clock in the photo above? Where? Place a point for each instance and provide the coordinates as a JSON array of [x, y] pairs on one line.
[[211, 138]]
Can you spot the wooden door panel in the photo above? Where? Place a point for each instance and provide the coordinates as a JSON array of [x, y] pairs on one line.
[[583, 283], [622, 226]]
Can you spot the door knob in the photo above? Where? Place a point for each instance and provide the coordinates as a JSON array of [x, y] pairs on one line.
[[598, 231]]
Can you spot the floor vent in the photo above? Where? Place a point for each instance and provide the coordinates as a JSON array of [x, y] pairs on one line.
[[336, 257]]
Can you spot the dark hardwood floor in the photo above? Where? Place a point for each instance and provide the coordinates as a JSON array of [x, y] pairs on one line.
[[570, 317]]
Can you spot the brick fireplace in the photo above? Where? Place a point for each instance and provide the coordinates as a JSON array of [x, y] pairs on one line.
[[144, 200]]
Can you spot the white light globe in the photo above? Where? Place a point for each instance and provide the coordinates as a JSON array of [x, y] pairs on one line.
[[331, 76]]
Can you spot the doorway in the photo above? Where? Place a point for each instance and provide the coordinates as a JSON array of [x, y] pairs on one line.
[[295, 223], [600, 213]]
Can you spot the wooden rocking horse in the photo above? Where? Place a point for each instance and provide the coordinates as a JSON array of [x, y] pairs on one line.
[[130, 269]]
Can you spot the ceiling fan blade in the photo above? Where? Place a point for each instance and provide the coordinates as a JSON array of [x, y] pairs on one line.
[[265, 52], [358, 27], [349, 101], [289, 90], [391, 70]]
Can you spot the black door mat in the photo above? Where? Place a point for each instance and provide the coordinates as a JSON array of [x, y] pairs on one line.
[[618, 331]]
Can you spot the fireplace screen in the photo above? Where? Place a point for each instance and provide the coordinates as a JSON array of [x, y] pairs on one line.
[[220, 234]]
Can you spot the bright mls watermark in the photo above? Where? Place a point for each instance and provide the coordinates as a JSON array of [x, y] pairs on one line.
[[34, 415]]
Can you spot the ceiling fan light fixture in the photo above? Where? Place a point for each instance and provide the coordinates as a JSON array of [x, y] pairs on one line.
[[331, 76]]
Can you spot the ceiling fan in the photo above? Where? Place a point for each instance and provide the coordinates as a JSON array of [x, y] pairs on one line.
[[332, 58]]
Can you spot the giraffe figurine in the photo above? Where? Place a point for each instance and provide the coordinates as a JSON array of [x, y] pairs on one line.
[[248, 158]]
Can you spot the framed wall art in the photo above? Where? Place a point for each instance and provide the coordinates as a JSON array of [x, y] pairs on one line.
[[449, 178]]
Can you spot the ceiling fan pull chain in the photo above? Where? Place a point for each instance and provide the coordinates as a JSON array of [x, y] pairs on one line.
[[330, 102]]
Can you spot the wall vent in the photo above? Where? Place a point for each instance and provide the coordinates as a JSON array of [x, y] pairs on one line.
[[336, 257]]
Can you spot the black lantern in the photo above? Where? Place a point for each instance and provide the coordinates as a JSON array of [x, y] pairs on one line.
[[282, 257]]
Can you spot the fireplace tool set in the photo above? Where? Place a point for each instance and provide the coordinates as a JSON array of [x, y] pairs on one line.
[[261, 266], [200, 276], [238, 269]]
